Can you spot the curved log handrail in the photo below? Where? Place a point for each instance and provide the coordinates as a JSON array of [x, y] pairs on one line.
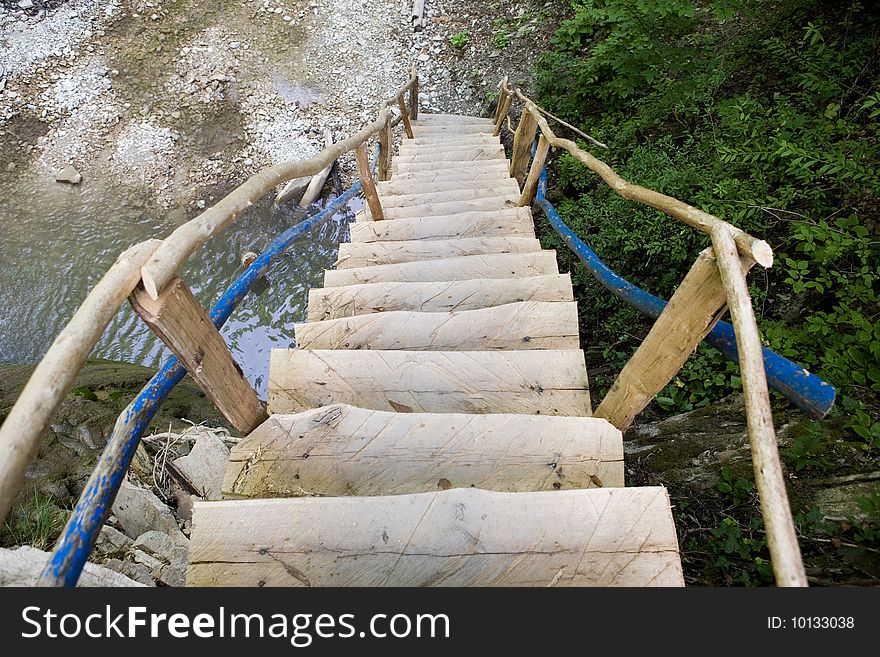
[[748, 246]]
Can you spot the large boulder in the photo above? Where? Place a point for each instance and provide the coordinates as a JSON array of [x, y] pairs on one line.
[[22, 567]]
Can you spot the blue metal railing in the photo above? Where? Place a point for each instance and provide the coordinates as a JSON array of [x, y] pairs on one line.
[[806, 390], [82, 529]]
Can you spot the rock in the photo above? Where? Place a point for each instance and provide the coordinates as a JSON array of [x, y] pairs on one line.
[[136, 572], [205, 465], [69, 175], [139, 510], [112, 542], [163, 546], [22, 566], [25, 4]]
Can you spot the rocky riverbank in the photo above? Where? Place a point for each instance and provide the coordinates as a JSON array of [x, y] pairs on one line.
[[187, 98]]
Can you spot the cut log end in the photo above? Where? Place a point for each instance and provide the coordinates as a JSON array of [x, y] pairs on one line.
[[763, 253]]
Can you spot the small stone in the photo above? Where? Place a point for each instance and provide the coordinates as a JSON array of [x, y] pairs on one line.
[[138, 510], [205, 466], [69, 175], [25, 4], [10, 166], [112, 542]]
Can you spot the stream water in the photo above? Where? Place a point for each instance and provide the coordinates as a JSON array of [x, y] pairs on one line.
[[58, 240]]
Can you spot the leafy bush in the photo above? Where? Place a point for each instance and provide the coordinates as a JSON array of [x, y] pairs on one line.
[[767, 116], [460, 39]]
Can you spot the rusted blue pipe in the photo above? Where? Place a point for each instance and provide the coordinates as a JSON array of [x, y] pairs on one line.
[[91, 511], [806, 390]]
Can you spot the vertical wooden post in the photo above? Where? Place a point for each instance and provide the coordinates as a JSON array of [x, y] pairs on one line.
[[522, 146], [785, 554], [385, 151], [531, 184], [367, 183], [404, 114], [502, 97], [414, 95], [504, 102], [693, 311], [180, 321]]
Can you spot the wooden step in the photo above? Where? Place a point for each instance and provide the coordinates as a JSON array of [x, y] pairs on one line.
[[540, 382], [350, 300], [523, 325], [367, 254], [437, 153], [512, 221], [506, 187], [480, 138], [345, 450], [476, 167], [493, 265], [508, 200], [408, 183], [457, 537], [458, 129], [439, 117]]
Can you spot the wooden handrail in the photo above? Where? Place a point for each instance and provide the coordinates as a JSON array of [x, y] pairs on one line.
[[23, 429], [183, 242], [153, 263], [718, 279], [785, 554], [748, 246]]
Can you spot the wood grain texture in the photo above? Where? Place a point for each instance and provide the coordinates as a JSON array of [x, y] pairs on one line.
[[694, 309], [404, 186], [550, 382], [185, 327], [345, 450], [451, 207], [478, 139], [511, 221], [438, 154], [479, 166], [369, 187], [503, 187], [347, 301], [493, 265], [442, 118], [522, 147], [367, 254], [530, 186], [523, 325], [782, 540], [458, 537]]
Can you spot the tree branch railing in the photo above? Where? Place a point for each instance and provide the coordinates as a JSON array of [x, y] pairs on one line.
[[715, 283], [146, 274]]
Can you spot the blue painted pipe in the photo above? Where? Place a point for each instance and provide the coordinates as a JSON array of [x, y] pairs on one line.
[[806, 390], [82, 529]]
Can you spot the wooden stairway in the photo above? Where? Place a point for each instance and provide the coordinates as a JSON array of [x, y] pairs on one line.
[[433, 427]]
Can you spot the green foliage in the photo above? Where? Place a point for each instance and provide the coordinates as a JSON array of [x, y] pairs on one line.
[[809, 449], [37, 522], [738, 489], [765, 115], [741, 552], [460, 39]]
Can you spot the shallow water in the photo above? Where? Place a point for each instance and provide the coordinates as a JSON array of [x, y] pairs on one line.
[[57, 241]]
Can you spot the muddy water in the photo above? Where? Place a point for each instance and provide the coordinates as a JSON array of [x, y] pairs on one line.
[[58, 240]]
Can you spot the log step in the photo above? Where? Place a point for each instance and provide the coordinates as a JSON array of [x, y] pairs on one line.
[[345, 450], [475, 166], [523, 325], [367, 254], [539, 382], [450, 154], [440, 117], [457, 537], [512, 221], [493, 265], [402, 187], [506, 200], [478, 139], [448, 129], [432, 180], [506, 187], [350, 300]]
